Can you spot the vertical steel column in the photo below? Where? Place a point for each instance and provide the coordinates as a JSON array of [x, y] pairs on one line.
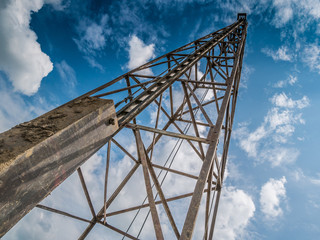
[[214, 136]]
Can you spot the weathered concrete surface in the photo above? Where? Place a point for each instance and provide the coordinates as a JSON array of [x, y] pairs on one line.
[[36, 156]]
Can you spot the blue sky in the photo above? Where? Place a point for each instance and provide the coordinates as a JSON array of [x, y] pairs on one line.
[[53, 51]]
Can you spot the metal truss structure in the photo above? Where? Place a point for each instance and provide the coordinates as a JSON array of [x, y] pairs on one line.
[[185, 99]]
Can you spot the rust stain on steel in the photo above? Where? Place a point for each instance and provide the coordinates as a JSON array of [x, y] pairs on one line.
[[37, 156]]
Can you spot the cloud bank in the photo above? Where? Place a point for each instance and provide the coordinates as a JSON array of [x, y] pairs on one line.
[[265, 143], [21, 57], [140, 53], [236, 208], [271, 195]]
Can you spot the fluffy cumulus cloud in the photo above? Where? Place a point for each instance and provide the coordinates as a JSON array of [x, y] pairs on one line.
[[236, 208], [92, 38], [271, 195], [266, 142], [311, 56], [282, 100], [21, 57], [139, 53], [282, 54]]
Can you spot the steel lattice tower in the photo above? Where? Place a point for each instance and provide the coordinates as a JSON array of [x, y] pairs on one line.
[[191, 93]]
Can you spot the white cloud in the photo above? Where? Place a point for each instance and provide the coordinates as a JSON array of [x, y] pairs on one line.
[[92, 35], [93, 63], [128, 16], [140, 53], [310, 7], [271, 195], [291, 80], [40, 224], [14, 109], [311, 56], [236, 208], [315, 180], [58, 5], [318, 29], [282, 117], [283, 13], [246, 72], [249, 142], [299, 176], [265, 143], [67, 75], [280, 155], [282, 54], [282, 100], [280, 84], [46, 225], [92, 38], [21, 57]]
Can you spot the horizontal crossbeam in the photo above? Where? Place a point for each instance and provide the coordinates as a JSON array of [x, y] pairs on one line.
[[167, 133]]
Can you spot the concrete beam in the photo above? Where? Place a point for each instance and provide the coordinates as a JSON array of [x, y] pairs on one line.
[[36, 156]]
